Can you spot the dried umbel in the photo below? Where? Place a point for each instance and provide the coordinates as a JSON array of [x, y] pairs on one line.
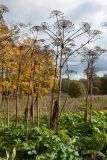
[[66, 50], [95, 33], [66, 24], [56, 13], [94, 53], [3, 9], [100, 50], [22, 25], [44, 26], [36, 28], [86, 27]]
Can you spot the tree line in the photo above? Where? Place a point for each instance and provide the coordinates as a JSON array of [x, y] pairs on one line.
[[77, 88]]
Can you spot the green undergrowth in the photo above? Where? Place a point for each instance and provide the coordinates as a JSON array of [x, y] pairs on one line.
[[76, 140]]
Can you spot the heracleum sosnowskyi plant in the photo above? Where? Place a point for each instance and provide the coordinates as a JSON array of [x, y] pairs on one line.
[[90, 56], [63, 35]]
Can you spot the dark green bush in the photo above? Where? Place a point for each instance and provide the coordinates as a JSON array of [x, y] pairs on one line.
[[76, 89]]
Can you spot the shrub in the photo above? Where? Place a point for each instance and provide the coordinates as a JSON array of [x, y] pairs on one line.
[[76, 89]]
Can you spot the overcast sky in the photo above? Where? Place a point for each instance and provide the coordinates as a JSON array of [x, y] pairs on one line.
[[92, 11]]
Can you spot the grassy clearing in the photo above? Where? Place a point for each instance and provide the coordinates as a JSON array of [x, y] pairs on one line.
[[74, 105]]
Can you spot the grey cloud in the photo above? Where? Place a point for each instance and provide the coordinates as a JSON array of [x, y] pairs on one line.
[[36, 11], [101, 64], [104, 24], [85, 11], [24, 11], [33, 11]]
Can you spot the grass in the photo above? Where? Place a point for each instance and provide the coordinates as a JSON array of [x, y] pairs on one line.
[[74, 105]]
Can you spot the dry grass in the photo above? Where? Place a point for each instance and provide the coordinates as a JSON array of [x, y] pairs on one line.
[[73, 105]]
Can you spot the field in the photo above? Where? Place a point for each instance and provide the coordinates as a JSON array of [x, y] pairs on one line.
[[43, 66], [68, 104]]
